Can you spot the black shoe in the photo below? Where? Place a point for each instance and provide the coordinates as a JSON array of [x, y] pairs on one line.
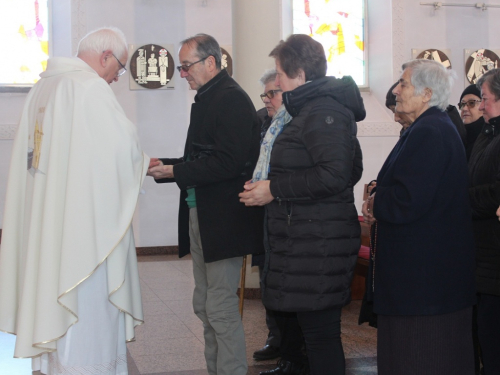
[[287, 368], [267, 352]]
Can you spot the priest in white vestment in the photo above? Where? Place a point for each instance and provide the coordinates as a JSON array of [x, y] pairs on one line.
[[69, 285]]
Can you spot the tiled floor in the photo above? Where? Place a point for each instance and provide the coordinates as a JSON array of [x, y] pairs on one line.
[[171, 340]]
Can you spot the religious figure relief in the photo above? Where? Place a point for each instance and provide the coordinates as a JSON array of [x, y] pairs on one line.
[[141, 67], [35, 145], [163, 63], [226, 61], [151, 66], [436, 55], [153, 69], [479, 62]]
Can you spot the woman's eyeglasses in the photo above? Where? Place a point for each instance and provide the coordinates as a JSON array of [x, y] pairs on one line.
[[469, 103], [270, 94]]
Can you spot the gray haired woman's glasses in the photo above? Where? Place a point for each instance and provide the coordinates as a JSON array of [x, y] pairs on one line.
[[270, 94]]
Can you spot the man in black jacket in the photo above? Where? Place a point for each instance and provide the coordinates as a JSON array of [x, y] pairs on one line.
[[221, 150]]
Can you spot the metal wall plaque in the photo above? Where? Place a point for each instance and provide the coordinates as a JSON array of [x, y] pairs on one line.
[[151, 67], [433, 54], [479, 62]]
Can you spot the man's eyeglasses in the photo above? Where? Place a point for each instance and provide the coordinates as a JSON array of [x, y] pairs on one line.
[[185, 68], [469, 103], [122, 69], [270, 94]]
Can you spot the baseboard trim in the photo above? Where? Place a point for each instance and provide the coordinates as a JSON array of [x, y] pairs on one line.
[[157, 250]]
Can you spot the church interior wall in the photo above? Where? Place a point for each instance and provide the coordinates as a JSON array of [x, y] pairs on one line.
[[162, 116]]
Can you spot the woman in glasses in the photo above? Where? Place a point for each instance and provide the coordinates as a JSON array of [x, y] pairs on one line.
[[471, 116], [272, 101], [308, 164], [271, 98]]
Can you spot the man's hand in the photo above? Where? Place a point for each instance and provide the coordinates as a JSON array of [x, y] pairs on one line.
[[256, 193], [367, 210], [498, 213], [153, 162], [158, 171]]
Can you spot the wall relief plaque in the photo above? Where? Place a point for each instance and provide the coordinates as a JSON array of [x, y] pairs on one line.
[[151, 67]]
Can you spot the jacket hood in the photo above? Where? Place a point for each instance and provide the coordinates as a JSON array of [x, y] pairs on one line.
[[62, 65], [344, 90]]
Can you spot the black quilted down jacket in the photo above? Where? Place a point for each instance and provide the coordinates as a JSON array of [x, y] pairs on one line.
[[312, 232]]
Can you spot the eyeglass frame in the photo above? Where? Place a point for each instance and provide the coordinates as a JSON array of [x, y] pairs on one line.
[[266, 94], [185, 67], [467, 103], [119, 74]]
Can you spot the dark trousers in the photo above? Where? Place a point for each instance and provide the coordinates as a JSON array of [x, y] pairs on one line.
[[321, 332], [274, 335], [488, 324], [425, 344]]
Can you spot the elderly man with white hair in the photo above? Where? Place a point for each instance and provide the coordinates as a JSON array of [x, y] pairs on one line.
[[69, 285], [422, 250]]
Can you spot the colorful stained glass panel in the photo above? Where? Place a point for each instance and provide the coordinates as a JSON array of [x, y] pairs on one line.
[[24, 40], [339, 25]]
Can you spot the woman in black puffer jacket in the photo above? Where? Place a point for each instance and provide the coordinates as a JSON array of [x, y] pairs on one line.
[[312, 233]]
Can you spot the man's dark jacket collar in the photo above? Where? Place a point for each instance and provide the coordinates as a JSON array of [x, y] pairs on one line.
[[492, 127], [222, 76]]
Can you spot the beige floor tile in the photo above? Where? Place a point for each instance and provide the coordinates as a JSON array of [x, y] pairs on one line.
[[152, 364], [160, 345]]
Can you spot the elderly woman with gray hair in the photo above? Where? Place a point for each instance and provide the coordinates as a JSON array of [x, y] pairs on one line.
[[422, 253]]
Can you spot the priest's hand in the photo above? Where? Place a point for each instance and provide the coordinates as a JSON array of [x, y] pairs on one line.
[[256, 193], [160, 171]]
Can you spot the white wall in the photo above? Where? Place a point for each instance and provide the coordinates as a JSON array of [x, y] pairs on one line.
[[395, 26]]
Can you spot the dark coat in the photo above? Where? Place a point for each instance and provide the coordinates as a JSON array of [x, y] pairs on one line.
[[313, 233], [484, 171], [258, 259], [473, 130], [221, 150], [455, 118], [424, 262]]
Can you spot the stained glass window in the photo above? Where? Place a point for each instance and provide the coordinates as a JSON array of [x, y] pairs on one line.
[[339, 25], [24, 41]]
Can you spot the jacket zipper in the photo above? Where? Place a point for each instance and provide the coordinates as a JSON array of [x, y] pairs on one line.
[[289, 210]]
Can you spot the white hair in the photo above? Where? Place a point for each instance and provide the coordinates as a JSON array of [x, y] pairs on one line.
[[434, 76], [103, 39], [268, 76]]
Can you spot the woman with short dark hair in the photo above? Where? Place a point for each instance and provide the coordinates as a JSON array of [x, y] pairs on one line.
[[312, 233]]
